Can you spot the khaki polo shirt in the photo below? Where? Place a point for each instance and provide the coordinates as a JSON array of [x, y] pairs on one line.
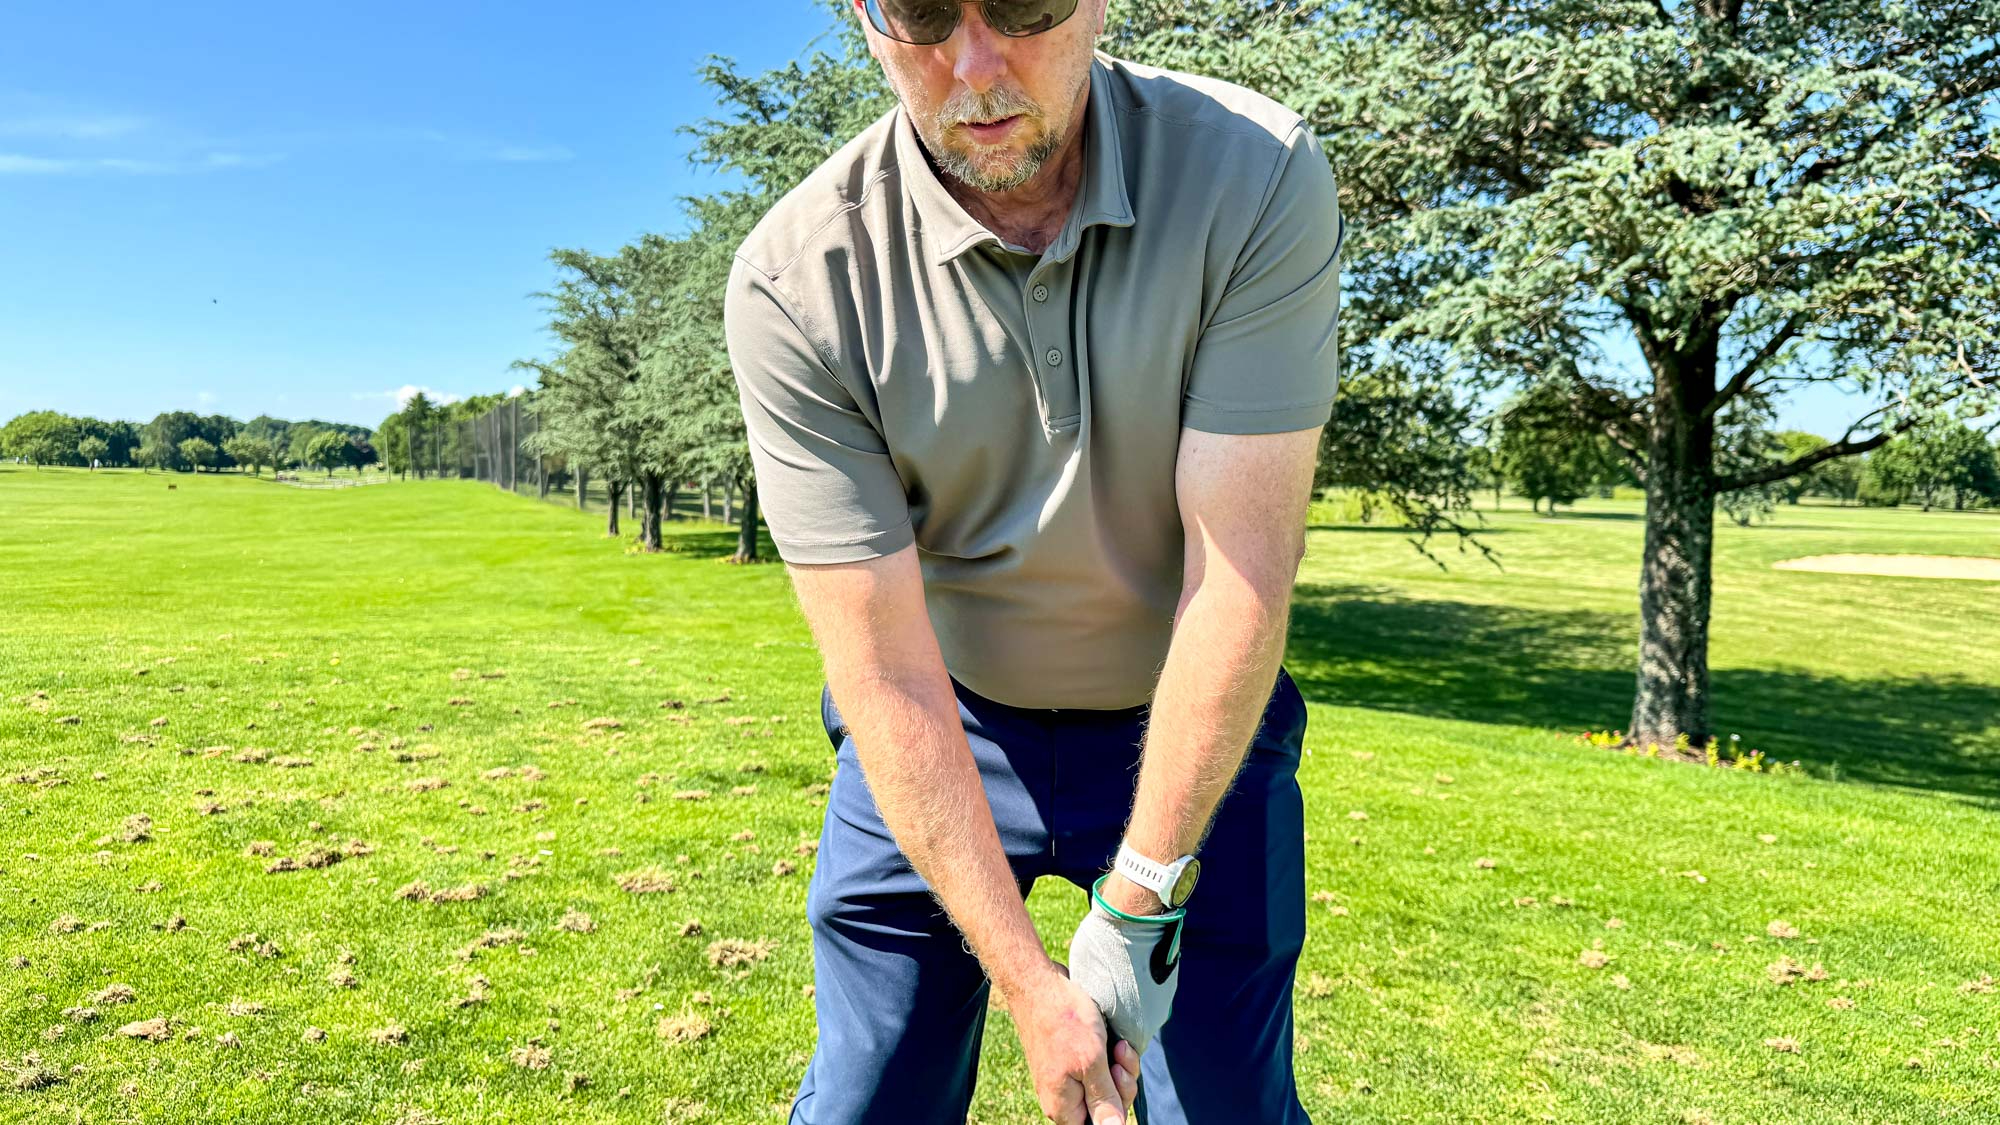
[[908, 377]]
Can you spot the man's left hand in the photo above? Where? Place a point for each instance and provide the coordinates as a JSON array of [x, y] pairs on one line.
[[1130, 968]]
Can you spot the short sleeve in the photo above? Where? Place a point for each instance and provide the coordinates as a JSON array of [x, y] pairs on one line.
[[1269, 360], [825, 482]]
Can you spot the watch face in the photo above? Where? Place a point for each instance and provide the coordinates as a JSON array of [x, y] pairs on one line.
[[1184, 886]]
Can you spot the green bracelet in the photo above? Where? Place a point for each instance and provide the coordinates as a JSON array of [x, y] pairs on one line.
[[1117, 913]]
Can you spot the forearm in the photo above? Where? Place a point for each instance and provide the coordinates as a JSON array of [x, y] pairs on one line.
[[926, 784], [1229, 639]]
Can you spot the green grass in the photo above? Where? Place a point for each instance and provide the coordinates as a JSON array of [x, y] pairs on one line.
[[1432, 989]]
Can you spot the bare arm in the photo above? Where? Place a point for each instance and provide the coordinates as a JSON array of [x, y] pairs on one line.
[[1243, 502], [888, 676], [889, 680]]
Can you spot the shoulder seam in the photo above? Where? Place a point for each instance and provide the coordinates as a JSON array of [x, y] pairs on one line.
[[1193, 123], [793, 309], [805, 243]]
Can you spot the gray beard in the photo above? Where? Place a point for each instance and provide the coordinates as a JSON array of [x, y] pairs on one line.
[[960, 166]]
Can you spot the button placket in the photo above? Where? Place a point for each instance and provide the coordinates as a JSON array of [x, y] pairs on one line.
[[1048, 337]]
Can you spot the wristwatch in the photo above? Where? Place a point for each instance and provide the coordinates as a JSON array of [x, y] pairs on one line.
[[1172, 882]]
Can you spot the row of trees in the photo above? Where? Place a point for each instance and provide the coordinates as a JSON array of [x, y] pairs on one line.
[[640, 393], [1755, 196], [429, 438], [1545, 451], [181, 441]]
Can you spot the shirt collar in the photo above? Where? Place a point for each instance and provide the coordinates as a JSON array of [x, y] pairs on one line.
[[949, 231]]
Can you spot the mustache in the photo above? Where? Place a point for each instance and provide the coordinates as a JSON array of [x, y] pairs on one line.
[[992, 105]]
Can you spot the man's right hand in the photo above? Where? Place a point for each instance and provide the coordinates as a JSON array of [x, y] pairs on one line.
[[1063, 1036]]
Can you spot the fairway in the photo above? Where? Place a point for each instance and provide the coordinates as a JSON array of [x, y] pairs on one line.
[[429, 803]]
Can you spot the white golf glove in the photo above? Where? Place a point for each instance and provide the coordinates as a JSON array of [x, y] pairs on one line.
[[1130, 966]]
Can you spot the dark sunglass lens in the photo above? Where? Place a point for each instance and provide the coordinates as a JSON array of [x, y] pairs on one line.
[[914, 21], [1020, 18]]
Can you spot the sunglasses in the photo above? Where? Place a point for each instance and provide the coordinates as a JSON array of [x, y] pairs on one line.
[[925, 22]]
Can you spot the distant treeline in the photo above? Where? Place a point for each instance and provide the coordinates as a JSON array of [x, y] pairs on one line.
[[182, 441]]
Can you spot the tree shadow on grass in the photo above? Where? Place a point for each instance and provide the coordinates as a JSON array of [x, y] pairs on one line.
[[1572, 670]]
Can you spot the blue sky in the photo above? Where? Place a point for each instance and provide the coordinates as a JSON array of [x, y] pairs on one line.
[[300, 210], [297, 209]]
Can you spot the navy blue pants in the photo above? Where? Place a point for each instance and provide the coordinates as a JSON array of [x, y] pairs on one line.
[[901, 1002]]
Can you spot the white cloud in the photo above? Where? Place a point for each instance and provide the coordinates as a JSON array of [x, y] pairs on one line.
[[408, 391], [14, 164], [17, 164], [516, 391]]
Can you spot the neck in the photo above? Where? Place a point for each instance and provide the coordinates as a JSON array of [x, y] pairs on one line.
[[1032, 214]]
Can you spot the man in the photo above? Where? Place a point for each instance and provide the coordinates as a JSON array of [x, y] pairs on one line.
[[1034, 372]]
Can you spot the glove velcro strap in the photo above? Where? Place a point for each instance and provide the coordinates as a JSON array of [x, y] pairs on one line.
[[1157, 919]]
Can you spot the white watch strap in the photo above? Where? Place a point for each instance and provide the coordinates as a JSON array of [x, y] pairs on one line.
[[1141, 870]]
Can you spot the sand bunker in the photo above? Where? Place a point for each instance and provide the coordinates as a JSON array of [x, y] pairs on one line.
[[1899, 566]]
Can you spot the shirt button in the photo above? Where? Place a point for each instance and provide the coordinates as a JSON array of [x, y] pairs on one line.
[[1055, 357], [1041, 292]]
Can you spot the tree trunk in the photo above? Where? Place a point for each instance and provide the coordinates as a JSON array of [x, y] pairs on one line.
[[746, 534], [728, 501], [1676, 572], [649, 524], [673, 493], [707, 488], [614, 489], [582, 482]]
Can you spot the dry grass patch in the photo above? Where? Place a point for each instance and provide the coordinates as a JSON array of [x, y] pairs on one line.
[[420, 891], [647, 880], [30, 1073], [135, 829], [476, 993], [534, 1056], [491, 939], [728, 953], [156, 1030], [684, 1028]]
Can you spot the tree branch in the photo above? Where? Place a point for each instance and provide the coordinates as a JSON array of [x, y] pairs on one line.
[[1755, 363], [1847, 446], [1946, 93]]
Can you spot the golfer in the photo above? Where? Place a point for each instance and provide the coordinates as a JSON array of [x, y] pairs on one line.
[[1034, 372]]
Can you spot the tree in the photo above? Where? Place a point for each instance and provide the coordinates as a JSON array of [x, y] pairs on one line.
[[42, 437], [1795, 444], [1549, 452], [1840, 478], [775, 128], [254, 452], [120, 439], [198, 453], [328, 450], [392, 441], [166, 432], [1938, 464], [592, 407], [419, 421], [92, 450], [1754, 196]]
